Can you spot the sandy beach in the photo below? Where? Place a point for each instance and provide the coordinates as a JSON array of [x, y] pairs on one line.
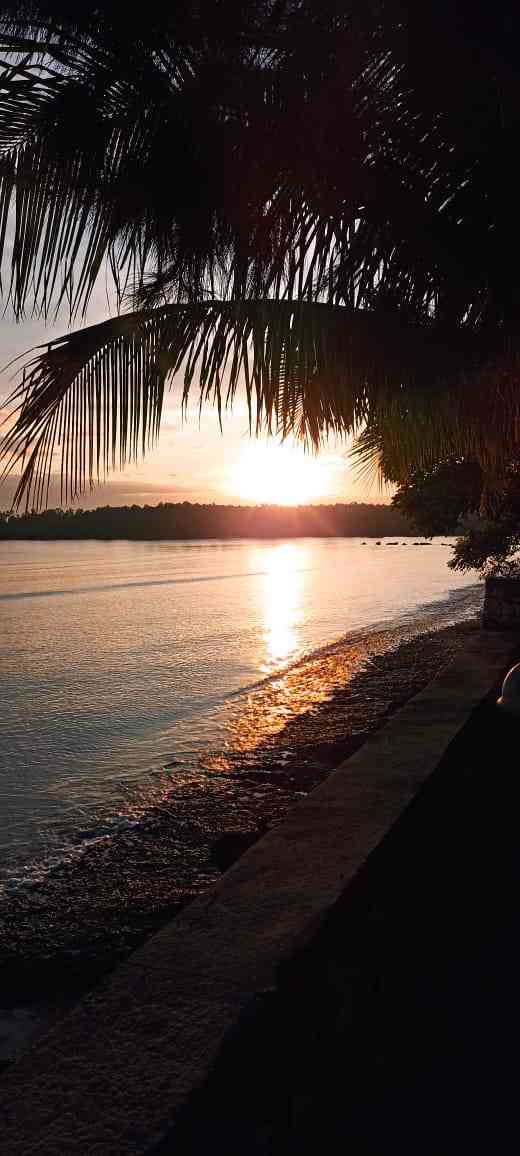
[[63, 936]]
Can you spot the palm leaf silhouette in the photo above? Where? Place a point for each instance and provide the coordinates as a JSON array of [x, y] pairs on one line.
[[94, 397], [286, 197]]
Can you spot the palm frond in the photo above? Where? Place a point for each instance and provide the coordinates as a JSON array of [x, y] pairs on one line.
[[336, 167], [84, 132], [472, 416], [290, 198], [93, 398]]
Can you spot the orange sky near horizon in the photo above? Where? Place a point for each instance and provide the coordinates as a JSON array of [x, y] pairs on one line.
[[194, 460]]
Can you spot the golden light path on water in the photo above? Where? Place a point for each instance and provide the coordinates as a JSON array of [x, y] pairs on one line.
[[283, 590], [300, 687], [138, 672], [304, 683]]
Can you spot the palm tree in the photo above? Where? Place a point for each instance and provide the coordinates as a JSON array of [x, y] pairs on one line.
[[312, 199]]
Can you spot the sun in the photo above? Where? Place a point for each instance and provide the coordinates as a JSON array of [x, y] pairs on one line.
[[277, 474]]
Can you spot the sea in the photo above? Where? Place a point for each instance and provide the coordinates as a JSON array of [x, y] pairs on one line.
[[130, 668]]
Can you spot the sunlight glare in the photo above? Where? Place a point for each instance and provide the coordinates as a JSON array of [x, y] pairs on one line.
[[279, 474], [282, 603]]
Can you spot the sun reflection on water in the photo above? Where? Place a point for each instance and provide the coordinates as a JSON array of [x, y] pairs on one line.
[[282, 603], [292, 686]]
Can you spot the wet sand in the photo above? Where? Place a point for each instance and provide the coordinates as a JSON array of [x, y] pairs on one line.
[[63, 936]]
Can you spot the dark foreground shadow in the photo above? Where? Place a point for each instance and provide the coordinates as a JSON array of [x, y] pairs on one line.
[[397, 1030]]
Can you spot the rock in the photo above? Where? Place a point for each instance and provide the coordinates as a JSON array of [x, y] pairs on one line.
[[501, 609], [232, 845]]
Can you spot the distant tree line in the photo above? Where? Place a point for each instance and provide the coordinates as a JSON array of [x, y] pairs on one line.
[[185, 520]]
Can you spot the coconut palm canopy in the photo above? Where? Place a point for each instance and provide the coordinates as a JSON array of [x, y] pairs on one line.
[[314, 198]]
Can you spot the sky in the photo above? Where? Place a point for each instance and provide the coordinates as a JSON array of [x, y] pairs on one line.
[[194, 460]]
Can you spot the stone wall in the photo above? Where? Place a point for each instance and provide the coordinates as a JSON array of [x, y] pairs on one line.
[[501, 609], [119, 1074]]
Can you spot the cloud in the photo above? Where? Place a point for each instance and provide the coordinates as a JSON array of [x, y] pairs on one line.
[[116, 493]]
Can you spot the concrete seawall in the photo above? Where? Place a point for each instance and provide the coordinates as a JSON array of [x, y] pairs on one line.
[[501, 610], [111, 1077]]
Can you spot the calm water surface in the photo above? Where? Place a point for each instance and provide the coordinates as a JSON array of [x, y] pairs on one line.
[[124, 663]]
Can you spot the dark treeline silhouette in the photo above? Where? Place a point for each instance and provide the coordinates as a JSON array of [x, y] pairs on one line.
[[188, 520]]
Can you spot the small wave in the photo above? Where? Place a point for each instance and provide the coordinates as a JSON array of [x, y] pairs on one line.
[[14, 596], [252, 715], [33, 873], [454, 607]]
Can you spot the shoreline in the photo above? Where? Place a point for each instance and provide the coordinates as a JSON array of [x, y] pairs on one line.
[[62, 938], [154, 1050]]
